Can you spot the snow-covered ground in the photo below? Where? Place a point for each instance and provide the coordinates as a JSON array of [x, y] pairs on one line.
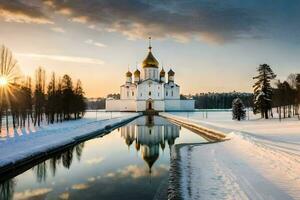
[[24, 143], [260, 161], [94, 115]]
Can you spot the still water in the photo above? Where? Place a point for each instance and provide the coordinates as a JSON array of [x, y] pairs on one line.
[[129, 163]]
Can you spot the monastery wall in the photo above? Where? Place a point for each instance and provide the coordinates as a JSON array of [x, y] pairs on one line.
[[121, 105], [179, 105], [158, 105], [187, 105]]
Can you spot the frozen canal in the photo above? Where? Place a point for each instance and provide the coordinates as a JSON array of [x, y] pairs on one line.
[[129, 163]]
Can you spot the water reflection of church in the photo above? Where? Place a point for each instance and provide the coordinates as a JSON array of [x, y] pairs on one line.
[[149, 134]]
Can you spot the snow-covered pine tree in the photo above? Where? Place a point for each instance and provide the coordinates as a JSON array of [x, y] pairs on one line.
[[238, 109], [298, 94], [263, 90]]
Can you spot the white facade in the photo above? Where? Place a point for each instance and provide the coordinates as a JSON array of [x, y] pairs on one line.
[[149, 90]]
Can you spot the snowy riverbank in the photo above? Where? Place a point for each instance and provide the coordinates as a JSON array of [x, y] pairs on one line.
[[260, 161], [29, 144]]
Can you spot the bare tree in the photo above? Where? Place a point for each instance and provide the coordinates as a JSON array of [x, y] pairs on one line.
[[9, 78], [18, 102], [39, 96]]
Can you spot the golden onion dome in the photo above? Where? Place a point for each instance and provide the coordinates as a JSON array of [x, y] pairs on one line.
[[162, 145], [128, 141], [150, 60], [128, 74], [171, 72], [150, 160], [137, 73], [162, 72], [137, 145]]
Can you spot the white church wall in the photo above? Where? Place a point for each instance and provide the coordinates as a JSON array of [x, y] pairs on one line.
[[141, 105], [121, 105], [172, 92], [150, 73], [159, 105], [128, 105], [172, 105], [187, 105], [128, 91], [179, 105], [112, 105], [150, 90]]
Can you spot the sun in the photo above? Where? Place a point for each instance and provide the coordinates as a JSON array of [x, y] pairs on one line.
[[3, 81]]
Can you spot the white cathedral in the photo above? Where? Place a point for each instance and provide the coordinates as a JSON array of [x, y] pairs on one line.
[[150, 90]]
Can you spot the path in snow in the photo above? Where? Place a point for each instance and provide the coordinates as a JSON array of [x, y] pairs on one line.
[[261, 161], [238, 169]]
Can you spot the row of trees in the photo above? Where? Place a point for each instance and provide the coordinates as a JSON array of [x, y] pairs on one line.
[[96, 103], [221, 100], [284, 96], [25, 102]]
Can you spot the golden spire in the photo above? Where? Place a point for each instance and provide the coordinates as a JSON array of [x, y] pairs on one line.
[[149, 44], [150, 60]]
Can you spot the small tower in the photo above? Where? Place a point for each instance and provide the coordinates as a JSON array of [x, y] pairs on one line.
[[137, 76], [171, 74], [162, 75], [128, 77]]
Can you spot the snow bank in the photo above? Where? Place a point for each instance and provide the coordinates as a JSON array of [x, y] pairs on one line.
[[31, 143], [286, 131], [260, 161], [207, 133], [241, 168]]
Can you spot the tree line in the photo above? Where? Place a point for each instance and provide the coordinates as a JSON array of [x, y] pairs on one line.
[[99, 103], [32, 102], [270, 93], [221, 100]]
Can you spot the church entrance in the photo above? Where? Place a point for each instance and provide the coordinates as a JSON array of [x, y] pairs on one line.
[[149, 104]]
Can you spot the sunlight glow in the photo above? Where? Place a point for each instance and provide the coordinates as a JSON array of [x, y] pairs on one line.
[[3, 81]]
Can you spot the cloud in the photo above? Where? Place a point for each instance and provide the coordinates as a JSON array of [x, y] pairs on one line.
[[94, 161], [212, 21], [134, 171], [81, 186], [58, 29], [73, 59], [91, 179], [17, 11], [80, 19], [208, 20], [97, 44], [32, 194], [64, 196]]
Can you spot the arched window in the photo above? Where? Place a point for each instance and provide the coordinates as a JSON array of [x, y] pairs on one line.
[[166, 93], [132, 93], [157, 94], [127, 93], [172, 93], [149, 93]]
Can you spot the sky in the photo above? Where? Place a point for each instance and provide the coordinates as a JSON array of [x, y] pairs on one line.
[[212, 45]]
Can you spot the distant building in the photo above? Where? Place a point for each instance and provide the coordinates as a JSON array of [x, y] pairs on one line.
[[148, 89]]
